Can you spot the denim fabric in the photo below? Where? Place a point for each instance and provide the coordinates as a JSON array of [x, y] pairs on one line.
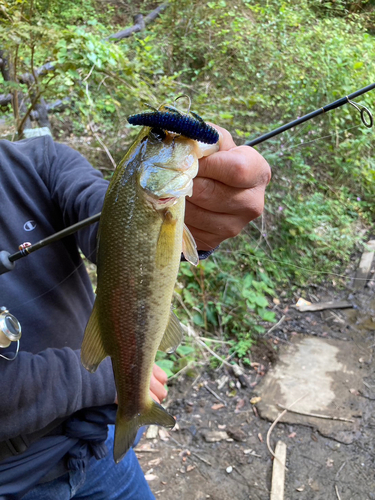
[[102, 480]]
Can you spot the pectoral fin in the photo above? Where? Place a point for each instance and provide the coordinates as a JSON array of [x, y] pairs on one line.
[[172, 336], [189, 247], [92, 351]]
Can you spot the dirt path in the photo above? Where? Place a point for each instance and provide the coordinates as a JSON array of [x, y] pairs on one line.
[[184, 464]]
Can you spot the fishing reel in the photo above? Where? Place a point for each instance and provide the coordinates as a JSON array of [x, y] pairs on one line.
[[10, 331]]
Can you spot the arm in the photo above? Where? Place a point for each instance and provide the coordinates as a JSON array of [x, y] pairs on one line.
[[47, 386], [42, 383]]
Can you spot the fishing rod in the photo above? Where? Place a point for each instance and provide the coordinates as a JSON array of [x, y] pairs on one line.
[[365, 113], [7, 260]]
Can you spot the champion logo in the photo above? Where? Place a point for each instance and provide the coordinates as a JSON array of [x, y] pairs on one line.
[[30, 225]]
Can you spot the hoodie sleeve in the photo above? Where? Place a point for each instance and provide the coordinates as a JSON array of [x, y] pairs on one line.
[[47, 380], [37, 389], [77, 189]]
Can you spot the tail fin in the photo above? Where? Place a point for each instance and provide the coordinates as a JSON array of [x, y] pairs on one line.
[[126, 430]]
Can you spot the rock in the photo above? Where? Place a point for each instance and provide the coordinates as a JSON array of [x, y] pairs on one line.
[[214, 436]]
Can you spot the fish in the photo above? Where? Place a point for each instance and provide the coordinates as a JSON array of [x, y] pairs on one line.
[[140, 239]]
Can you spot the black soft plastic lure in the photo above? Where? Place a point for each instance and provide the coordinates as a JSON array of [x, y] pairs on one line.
[[170, 119]]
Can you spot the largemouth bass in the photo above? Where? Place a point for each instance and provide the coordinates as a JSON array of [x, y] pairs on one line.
[[140, 239]]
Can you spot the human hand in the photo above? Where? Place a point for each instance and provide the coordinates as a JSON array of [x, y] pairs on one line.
[[228, 192], [158, 379]]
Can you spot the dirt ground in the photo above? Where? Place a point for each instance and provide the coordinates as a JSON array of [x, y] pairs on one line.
[[184, 464]]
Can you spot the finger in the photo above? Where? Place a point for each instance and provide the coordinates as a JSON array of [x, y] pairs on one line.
[[154, 397], [212, 228], [158, 388], [217, 197], [159, 374], [241, 167]]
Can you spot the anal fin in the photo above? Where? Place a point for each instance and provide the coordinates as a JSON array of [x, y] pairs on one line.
[[172, 335], [92, 350]]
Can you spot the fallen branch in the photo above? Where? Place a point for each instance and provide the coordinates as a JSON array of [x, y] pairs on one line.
[[104, 147], [275, 326], [316, 415], [321, 306], [29, 78], [278, 418], [223, 361], [337, 492], [140, 23], [201, 459], [181, 371], [214, 394], [278, 472]]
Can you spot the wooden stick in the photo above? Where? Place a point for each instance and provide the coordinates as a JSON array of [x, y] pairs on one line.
[[214, 394], [321, 306], [337, 492], [275, 326], [201, 459], [275, 422], [365, 265], [316, 415], [278, 472]]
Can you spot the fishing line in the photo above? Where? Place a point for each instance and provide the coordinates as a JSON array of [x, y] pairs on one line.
[[312, 271], [319, 138], [7, 263], [17, 306]]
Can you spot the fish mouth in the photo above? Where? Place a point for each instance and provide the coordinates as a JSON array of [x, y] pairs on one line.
[[166, 200], [159, 203]]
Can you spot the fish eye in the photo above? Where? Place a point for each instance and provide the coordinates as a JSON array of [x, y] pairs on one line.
[[158, 134]]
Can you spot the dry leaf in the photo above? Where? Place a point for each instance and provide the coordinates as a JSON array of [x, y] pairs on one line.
[[255, 400], [217, 406], [155, 462], [239, 405]]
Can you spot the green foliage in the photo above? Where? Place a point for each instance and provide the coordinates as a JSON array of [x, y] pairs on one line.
[[229, 293], [249, 66], [185, 355]]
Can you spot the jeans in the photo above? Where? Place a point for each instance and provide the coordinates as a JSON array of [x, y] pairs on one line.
[[103, 480]]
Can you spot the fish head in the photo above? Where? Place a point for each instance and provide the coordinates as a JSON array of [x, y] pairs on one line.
[[169, 165]]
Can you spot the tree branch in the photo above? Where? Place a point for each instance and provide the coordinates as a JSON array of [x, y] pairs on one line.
[[140, 23]]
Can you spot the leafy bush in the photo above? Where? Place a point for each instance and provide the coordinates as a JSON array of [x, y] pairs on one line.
[[249, 66]]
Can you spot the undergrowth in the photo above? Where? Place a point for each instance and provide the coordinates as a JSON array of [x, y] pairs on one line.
[[250, 67]]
